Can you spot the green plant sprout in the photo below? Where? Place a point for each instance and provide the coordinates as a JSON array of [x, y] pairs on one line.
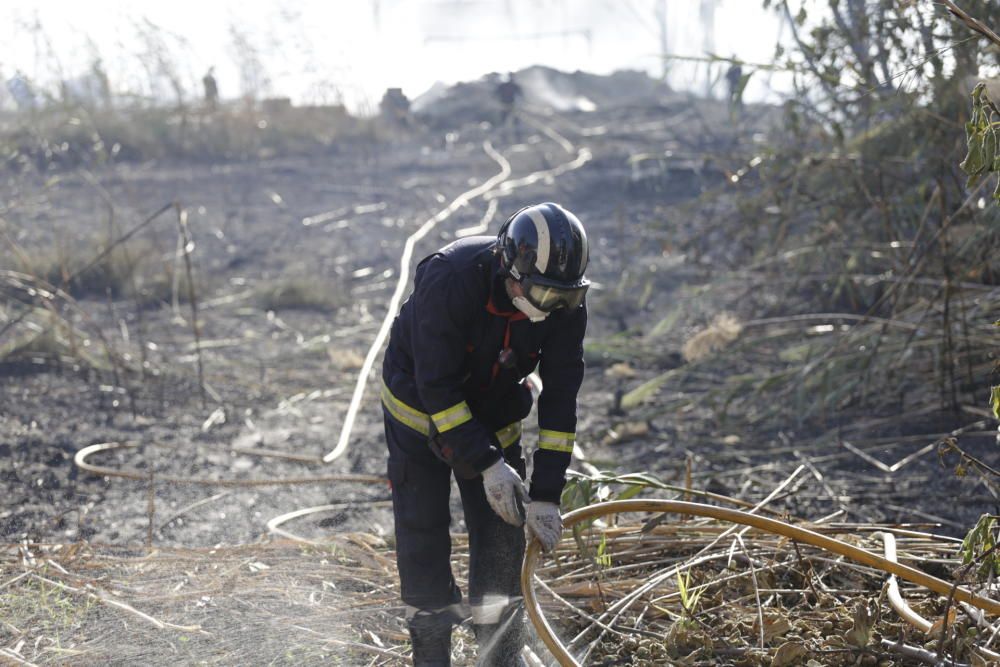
[[689, 597]]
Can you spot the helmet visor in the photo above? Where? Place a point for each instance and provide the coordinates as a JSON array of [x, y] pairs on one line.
[[548, 295]]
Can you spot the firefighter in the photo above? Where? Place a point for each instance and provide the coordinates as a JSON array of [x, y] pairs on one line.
[[734, 81], [211, 87], [395, 107], [508, 92], [484, 313]]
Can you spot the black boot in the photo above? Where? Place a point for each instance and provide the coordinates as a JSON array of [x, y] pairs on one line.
[[430, 635]]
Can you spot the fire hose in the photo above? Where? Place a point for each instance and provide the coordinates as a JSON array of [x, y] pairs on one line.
[[765, 524]]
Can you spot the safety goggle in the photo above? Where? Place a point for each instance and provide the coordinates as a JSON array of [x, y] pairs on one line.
[[548, 295]]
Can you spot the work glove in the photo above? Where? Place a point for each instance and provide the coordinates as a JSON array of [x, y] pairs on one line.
[[505, 492], [545, 524]]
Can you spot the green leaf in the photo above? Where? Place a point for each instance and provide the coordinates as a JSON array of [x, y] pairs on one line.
[[796, 353], [981, 138], [689, 599], [603, 558], [995, 400], [989, 148], [642, 478], [646, 390], [979, 541], [974, 163], [666, 324], [630, 492]]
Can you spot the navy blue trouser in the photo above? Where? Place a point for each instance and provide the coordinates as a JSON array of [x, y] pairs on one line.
[[421, 486]]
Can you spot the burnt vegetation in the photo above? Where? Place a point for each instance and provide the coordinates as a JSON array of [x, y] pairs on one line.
[[796, 313]]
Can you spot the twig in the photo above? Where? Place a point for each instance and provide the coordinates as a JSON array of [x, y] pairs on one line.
[[14, 580], [577, 611], [182, 223], [777, 490], [756, 588], [807, 572], [273, 453], [918, 653], [357, 645], [190, 506], [973, 24], [950, 444], [274, 525]]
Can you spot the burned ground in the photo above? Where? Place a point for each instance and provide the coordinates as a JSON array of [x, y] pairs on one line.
[[282, 376], [294, 260]]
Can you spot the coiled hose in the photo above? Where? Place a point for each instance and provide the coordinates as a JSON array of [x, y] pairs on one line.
[[765, 524]]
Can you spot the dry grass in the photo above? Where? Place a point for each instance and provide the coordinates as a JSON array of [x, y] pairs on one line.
[[723, 330], [56, 345], [137, 271], [65, 136], [39, 329], [300, 294], [344, 358]]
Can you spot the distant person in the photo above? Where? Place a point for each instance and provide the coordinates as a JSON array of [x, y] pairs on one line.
[[211, 90], [22, 92], [101, 83], [734, 81], [395, 107], [508, 92]]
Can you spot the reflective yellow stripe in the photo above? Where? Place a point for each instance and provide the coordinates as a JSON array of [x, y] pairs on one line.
[[509, 434], [454, 416], [557, 441], [404, 414], [444, 420]]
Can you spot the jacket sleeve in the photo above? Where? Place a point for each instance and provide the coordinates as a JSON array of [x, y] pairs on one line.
[[443, 309], [561, 369]]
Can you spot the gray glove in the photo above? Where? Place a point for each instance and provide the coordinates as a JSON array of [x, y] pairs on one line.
[[504, 489], [545, 524]]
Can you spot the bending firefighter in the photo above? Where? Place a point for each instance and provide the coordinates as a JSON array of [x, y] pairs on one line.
[[484, 313]]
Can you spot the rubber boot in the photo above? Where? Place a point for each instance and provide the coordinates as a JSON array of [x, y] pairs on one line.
[[430, 636]]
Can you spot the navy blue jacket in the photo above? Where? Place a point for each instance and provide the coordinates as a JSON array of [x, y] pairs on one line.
[[443, 372]]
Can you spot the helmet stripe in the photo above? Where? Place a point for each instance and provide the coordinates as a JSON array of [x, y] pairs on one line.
[[544, 242]]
